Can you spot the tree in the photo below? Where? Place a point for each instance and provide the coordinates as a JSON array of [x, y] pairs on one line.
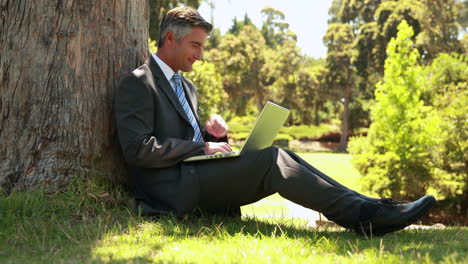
[[374, 23], [211, 96], [237, 26], [60, 63], [447, 88], [240, 60], [339, 41], [274, 29], [283, 64], [439, 29], [463, 17], [312, 93], [393, 158]]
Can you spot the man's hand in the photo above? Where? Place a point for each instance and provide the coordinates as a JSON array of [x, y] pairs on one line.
[[213, 147], [216, 126]]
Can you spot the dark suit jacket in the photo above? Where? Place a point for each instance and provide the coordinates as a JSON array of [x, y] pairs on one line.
[[156, 135]]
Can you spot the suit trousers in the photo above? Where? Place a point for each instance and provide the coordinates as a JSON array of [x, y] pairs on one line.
[[233, 182]]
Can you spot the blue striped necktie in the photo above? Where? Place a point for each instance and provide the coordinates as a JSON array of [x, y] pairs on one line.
[[179, 89]]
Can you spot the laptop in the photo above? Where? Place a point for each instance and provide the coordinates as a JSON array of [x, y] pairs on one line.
[[262, 135]]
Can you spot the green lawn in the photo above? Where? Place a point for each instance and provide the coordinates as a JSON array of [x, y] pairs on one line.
[[337, 166], [89, 223]]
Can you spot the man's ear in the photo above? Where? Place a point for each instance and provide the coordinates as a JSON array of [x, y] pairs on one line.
[[170, 38]]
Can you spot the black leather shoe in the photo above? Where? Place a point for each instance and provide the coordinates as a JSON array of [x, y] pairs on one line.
[[388, 215]]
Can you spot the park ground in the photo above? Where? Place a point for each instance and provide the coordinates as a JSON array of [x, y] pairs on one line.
[[90, 222]]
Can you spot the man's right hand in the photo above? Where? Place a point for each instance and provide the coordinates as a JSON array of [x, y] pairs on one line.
[[213, 147]]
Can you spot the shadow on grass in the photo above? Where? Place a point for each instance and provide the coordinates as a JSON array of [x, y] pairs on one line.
[[88, 225], [406, 244]]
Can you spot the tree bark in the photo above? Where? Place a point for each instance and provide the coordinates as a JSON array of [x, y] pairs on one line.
[[343, 145], [60, 61]]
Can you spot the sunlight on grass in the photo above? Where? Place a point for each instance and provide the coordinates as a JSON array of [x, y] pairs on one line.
[[337, 166], [89, 222], [270, 241]]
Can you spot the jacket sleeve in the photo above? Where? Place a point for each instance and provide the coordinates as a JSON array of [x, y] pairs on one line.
[[208, 137], [134, 112]]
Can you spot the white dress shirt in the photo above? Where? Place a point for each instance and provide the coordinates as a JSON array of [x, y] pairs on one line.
[[167, 71]]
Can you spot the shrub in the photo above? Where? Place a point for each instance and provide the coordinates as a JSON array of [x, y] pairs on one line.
[[305, 132], [240, 126], [394, 160], [447, 88]]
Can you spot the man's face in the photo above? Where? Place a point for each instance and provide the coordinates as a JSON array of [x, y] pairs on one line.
[[188, 50]]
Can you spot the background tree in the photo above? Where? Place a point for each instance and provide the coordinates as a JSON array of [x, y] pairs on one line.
[[463, 16], [312, 93], [209, 88], [285, 62], [447, 88], [159, 7], [237, 25], [240, 60], [341, 52], [374, 23], [274, 29], [60, 63], [439, 28]]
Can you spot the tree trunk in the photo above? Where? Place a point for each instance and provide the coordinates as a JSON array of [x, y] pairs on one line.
[[345, 126], [60, 63]]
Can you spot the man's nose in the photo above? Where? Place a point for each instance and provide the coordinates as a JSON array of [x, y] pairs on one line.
[[199, 55]]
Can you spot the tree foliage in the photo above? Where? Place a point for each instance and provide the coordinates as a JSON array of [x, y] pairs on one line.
[[417, 141], [275, 30], [394, 157], [257, 66], [209, 88], [373, 23], [159, 7], [339, 41], [447, 85]]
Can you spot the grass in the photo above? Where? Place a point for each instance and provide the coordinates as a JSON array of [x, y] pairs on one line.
[[89, 223], [337, 166]]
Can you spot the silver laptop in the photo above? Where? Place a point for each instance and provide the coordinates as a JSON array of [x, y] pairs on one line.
[[262, 135]]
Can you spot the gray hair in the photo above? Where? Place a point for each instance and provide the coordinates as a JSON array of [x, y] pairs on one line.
[[180, 21]]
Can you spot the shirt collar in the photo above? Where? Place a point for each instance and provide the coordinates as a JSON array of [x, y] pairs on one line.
[[167, 71]]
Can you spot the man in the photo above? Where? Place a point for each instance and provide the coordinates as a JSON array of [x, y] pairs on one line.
[[158, 126]]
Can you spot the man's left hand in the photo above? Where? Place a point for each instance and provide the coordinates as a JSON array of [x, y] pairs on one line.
[[216, 126]]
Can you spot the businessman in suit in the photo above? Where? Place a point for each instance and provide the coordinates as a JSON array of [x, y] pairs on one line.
[[157, 110]]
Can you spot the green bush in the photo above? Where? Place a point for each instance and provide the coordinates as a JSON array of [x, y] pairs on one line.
[[394, 158], [418, 140], [211, 96], [239, 135], [241, 124], [282, 136], [239, 127], [307, 132], [447, 87], [243, 135]]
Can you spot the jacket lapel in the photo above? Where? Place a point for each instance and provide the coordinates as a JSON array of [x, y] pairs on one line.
[[166, 87]]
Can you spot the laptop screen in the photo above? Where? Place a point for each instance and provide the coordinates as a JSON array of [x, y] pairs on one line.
[[266, 127]]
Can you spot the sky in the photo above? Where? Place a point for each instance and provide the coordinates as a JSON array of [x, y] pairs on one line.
[[306, 18]]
